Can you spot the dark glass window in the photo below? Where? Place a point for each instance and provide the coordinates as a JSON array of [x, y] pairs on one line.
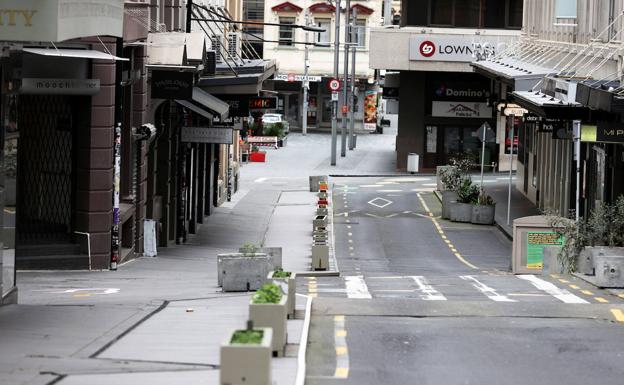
[[468, 13], [286, 32], [441, 12], [514, 19]]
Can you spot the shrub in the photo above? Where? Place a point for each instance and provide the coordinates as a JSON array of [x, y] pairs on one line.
[[249, 249], [247, 337], [468, 192], [280, 273], [269, 293], [484, 200], [274, 129]]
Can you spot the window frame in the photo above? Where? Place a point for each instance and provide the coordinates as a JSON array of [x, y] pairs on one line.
[[363, 28], [288, 42], [317, 35], [482, 18]]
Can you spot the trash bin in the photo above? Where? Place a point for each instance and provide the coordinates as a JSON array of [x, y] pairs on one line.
[[412, 162]]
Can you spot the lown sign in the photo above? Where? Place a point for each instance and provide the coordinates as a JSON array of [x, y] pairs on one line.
[[460, 48], [172, 85], [461, 110], [297, 78], [218, 135], [38, 86], [59, 20], [262, 103]]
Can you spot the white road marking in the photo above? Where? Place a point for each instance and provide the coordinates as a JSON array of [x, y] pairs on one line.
[[356, 287], [390, 191], [94, 290], [428, 292], [430, 184], [260, 180], [561, 294], [384, 202], [372, 215], [392, 215], [486, 290], [370, 186]]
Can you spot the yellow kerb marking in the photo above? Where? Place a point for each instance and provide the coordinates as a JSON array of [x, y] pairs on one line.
[[312, 295], [341, 350], [621, 296], [618, 314], [554, 275], [574, 287], [601, 300], [444, 237], [564, 281], [339, 318], [587, 292], [341, 373], [341, 333], [447, 241]]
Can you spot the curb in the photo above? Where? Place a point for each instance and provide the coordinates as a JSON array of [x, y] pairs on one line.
[[303, 343]]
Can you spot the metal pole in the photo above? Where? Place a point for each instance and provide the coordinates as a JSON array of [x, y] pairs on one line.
[[345, 93], [189, 14], [577, 156], [512, 119], [483, 155], [352, 101], [334, 128], [306, 83], [387, 12]]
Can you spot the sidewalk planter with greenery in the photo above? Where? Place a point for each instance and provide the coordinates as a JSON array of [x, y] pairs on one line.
[[461, 211], [274, 253], [320, 221], [246, 357], [483, 210], [442, 172], [450, 179], [242, 272], [267, 308], [286, 280], [276, 129], [599, 237]]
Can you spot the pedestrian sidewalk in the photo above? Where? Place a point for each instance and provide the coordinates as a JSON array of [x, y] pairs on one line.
[[156, 320]]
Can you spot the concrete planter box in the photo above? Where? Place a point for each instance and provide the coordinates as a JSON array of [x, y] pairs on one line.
[[320, 221], [585, 261], [439, 170], [322, 195], [609, 269], [272, 315], [321, 211], [460, 212], [551, 262], [483, 214], [448, 197], [315, 180], [248, 364], [320, 256], [240, 272], [274, 254], [288, 286]]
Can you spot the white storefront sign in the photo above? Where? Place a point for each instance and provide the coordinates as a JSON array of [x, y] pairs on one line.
[[461, 110], [59, 20], [218, 135], [297, 78], [460, 48], [36, 86]]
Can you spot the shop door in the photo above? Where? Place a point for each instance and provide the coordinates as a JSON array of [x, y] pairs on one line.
[[459, 141], [45, 168]]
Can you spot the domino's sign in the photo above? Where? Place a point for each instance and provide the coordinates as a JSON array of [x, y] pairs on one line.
[[460, 48]]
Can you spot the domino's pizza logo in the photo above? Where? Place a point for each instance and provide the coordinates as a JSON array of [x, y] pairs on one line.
[[427, 48]]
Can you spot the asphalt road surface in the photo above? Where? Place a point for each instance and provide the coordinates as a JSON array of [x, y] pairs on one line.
[[421, 300]]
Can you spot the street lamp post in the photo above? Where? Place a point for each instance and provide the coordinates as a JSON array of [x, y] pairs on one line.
[[352, 101], [306, 83], [334, 128], [343, 130]]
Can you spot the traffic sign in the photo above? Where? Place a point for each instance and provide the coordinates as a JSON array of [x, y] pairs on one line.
[[334, 84], [485, 131], [335, 96]]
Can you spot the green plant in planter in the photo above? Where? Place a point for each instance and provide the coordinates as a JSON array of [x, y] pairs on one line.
[[451, 178], [255, 148], [247, 337], [275, 129], [467, 192], [249, 249], [280, 273], [484, 200], [269, 293]]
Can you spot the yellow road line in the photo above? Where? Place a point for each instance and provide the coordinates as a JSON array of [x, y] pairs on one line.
[[621, 296], [341, 373], [574, 287], [601, 300], [339, 318], [341, 350], [563, 281], [554, 275], [341, 333], [587, 292], [618, 314]]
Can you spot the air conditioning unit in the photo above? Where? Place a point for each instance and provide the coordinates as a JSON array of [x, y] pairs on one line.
[[210, 67], [234, 44], [216, 44]]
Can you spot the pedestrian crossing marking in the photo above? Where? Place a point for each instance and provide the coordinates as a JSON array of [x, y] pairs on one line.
[[486, 290], [356, 287], [561, 294], [428, 292]]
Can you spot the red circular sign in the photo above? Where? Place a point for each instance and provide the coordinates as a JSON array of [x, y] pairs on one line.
[[427, 48], [334, 84]]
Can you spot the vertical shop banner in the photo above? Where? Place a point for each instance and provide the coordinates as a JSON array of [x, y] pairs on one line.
[[517, 122], [370, 110], [536, 242]]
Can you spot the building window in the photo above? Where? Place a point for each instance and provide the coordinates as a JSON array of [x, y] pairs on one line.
[[323, 37], [465, 13], [286, 32], [565, 9], [441, 12], [360, 33], [514, 13]]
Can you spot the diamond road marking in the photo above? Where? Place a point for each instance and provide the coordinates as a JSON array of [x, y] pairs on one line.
[[385, 202]]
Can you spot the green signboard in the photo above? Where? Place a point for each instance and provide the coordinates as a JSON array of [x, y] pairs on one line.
[[536, 241]]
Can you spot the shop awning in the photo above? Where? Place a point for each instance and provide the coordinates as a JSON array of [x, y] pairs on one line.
[[73, 53], [523, 76], [206, 105], [549, 106]]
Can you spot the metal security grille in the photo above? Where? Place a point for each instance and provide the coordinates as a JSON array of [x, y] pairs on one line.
[[45, 169]]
